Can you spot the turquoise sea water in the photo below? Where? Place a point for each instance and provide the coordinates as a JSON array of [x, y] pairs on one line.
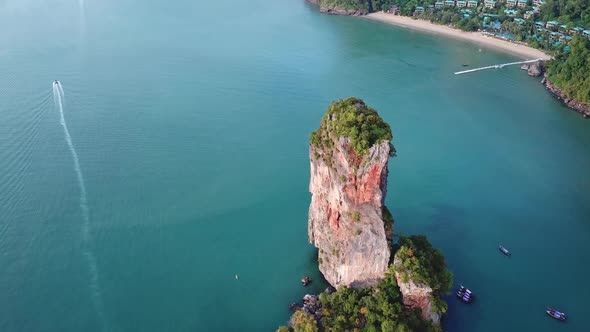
[[191, 121]]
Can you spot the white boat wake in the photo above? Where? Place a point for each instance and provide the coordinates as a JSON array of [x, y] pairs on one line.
[[58, 95]]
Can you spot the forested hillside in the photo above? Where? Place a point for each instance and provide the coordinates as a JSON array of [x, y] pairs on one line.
[[568, 11], [571, 71]]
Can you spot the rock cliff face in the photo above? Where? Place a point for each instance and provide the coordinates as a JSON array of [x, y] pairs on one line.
[[415, 295], [348, 159], [535, 69], [352, 229]]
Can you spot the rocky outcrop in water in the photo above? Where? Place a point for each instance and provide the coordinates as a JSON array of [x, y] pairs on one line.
[[534, 69], [422, 277], [348, 159], [575, 105], [341, 11], [335, 9], [352, 228], [415, 294], [537, 69]]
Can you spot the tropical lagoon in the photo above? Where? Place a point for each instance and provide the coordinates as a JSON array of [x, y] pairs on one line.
[[182, 162]]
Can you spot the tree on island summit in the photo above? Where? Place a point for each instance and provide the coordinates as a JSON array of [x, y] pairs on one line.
[[300, 322]]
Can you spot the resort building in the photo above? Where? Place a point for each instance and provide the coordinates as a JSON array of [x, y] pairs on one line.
[[439, 4], [540, 26], [510, 12], [522, 3], [577, 30], [552, 25], [461, 3], [556, 35], [472, 3], [419, 10], [541, 30], [490, 3], [586, 33], [496, 25], [511, 3], [538, 2], [536, 10], [394, 10], [430, 8], [528, 14], [466, 13], [449, 3], [519, 21], [565, 38]]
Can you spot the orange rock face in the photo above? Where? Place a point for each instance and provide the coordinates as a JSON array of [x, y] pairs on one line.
[[366, 189], [345, 215]]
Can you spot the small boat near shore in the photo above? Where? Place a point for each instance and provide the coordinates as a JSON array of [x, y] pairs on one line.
[[504, 250], [556, 314], [465, 294]]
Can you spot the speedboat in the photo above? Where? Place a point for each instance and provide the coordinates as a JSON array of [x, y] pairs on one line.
[[556, 314], [464, 65], [504, 250], [56, 82], [465, 295]]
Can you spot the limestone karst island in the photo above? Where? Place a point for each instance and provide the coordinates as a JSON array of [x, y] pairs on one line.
[[378, 285], [199, 166]]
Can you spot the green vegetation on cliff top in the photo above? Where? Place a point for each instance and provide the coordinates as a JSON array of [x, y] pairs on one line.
[[381, 308], [300, 322], [422, 263], [570, 71], [361, 5], [353, 119]]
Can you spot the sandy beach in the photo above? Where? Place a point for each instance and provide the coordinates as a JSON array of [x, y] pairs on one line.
[[522, 51]]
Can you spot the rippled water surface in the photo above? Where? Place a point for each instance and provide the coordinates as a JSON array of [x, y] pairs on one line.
[[190, 121]]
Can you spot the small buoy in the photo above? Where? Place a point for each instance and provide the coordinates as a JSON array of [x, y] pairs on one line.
[[237, 277]]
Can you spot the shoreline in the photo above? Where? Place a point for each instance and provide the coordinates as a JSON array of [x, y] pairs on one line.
[[519, 50], [574, 105]]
